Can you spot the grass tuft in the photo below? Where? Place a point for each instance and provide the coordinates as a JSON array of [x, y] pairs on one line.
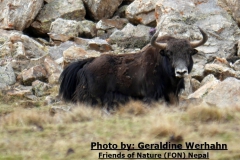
[[135, 108], [209, 114]]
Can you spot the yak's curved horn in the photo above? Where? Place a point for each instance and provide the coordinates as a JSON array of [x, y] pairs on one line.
[[155, 44], [202, 41]]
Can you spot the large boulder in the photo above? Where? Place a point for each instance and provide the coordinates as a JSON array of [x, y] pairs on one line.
[[225, 94], [233, 7], [204, 90], [74, 53], [56, 52], [219, 71], [66, 9], [63, 30], [18, 15], [98, 9], [131, 36], [24, 46], [7, 76], [99, 45], [142, 12], [236, 65], [180, 18], [35, 73], [105, 27], [39, 88], [87, 29], [53, 70]]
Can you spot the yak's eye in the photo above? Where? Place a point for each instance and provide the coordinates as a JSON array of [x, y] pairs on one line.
[[194, 51], [169, 53], [162, 52], [166, 53]]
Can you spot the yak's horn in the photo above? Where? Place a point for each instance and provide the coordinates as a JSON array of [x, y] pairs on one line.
[[156, 44], [202, 41]]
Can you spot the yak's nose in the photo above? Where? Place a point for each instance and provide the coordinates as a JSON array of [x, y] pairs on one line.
[[181, 72]]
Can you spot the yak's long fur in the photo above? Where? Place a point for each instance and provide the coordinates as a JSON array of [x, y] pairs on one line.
[[155, 72], [111, 79]]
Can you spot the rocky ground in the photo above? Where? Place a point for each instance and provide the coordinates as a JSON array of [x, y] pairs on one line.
[[39, 38]]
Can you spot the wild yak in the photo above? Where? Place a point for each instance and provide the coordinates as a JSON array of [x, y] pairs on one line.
[[157, 71]]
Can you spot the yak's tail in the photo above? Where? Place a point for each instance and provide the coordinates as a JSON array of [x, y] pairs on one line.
[[68, 79]]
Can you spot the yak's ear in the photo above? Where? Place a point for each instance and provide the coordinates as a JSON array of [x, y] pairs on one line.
[[163, 52], [194, 51]]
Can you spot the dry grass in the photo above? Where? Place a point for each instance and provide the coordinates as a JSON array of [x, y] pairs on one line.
[[42, 132], [208, 114]]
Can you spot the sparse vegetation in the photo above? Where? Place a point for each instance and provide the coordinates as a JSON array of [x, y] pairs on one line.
[[35, 133]]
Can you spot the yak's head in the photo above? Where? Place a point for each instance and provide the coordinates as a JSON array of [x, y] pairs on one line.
[[178, 52]]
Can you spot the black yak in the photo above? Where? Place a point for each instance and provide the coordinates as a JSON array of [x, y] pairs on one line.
[[157, 71]]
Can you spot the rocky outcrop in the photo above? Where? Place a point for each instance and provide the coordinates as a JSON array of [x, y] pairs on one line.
[[225, 94], [181, 18], [62, 30], [236, 65], [233, 7], [35, 73], [7, 76], [73, 54], [66, 9], [21, 46], [39, 88], [53, 70], [204, 90], [18, 15], [220, 72], [87, 29], [131, 36], [125, 26], [105, 27], [98, 9], [142, 12]]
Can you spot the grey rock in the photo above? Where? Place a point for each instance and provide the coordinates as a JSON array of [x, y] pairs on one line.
[[188, 87], [20, 92], [225, 94], [238, 52], [106, 27], [121, 12], [181, 18], [99, 45], [131, 36], [236, 65], [53, 70], [105, 24], [204, 90], [87, 29], [195, 84], [63, 30], [40, 88], [207, 79], [197, 71], [56, 52], [233, 7], [98, 9], [219, 71], [74, 53], [142, 12], [7, 76], [19, 46], [20, 14], [66, 9], [35, 73]]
